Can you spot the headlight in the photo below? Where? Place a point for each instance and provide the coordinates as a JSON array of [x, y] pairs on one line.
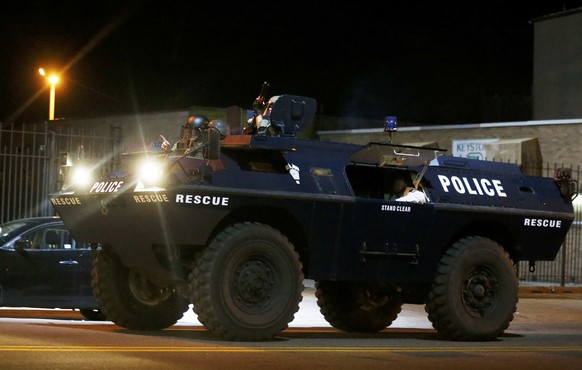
[[81, 176], [150, 173]]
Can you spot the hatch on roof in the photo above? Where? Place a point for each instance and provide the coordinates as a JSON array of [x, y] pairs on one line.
[[380, 154]]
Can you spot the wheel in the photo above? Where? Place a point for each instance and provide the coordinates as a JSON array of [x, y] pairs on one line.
[[474, 294], [92, 314], [130, 300], [356, 307], [247, 283]]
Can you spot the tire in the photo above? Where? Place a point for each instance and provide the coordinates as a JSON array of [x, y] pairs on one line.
[[474, 294], [92, 314], [356, 307], [247, 283], [130, 300]]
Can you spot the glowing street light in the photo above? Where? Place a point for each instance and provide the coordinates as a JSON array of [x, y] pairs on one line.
[[53, 80]]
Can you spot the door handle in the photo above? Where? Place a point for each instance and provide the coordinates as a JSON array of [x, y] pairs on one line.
[[68, 262]]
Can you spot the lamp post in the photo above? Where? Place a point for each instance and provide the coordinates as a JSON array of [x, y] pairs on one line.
[[53, 80]]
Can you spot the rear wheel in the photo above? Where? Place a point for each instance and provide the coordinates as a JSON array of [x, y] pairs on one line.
[[357, 307], [474, 294], [247, 284], [130, 300]]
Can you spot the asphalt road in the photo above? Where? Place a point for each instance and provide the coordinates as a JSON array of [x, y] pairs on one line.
[[545, 334]]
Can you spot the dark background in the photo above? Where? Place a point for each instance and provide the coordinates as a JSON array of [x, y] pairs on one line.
[[430, 62]]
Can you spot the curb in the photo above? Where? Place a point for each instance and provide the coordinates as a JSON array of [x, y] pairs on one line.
[[573, 292]]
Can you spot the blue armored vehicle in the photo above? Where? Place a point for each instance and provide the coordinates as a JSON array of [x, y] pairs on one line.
[[233, 220]]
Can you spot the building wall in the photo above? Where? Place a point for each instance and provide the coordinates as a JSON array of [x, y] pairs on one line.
[[557, 62], [139, 131], [559, 140]]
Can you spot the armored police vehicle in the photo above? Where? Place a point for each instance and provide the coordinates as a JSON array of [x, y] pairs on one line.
[[233, 222]]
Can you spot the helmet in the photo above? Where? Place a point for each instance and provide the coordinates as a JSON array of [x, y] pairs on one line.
[[199, 122], [270, 105], [221, 126]]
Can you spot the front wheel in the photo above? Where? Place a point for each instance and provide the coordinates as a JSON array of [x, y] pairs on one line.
[[247, 283], [474, 294], [130, 300]]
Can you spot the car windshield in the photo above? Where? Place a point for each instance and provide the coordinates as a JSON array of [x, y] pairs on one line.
[[10, 228]]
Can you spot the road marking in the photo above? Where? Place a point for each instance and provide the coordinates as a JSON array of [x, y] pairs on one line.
[[225, 349]]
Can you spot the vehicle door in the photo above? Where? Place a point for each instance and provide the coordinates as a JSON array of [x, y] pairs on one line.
[[46, 269], [386, 232], [390, 228]]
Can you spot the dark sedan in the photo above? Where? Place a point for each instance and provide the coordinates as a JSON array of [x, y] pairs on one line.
[[42, 266]]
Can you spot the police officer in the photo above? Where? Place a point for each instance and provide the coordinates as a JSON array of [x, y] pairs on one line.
[[190, 134], [401, 192]]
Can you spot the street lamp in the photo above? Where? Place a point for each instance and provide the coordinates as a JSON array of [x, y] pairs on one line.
[[53, 80]]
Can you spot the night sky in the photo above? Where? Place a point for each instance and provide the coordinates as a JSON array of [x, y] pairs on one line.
[[430, 62]]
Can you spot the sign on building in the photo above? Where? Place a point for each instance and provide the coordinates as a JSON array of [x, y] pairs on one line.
[[471, 148]]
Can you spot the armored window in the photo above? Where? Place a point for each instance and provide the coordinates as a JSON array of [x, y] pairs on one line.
[[324, 179], [261, 161]]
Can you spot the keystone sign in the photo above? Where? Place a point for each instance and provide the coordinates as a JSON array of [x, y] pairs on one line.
[[471, 148]]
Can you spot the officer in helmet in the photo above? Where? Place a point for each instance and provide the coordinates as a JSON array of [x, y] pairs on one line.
[[221, 126], [191, 132]]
